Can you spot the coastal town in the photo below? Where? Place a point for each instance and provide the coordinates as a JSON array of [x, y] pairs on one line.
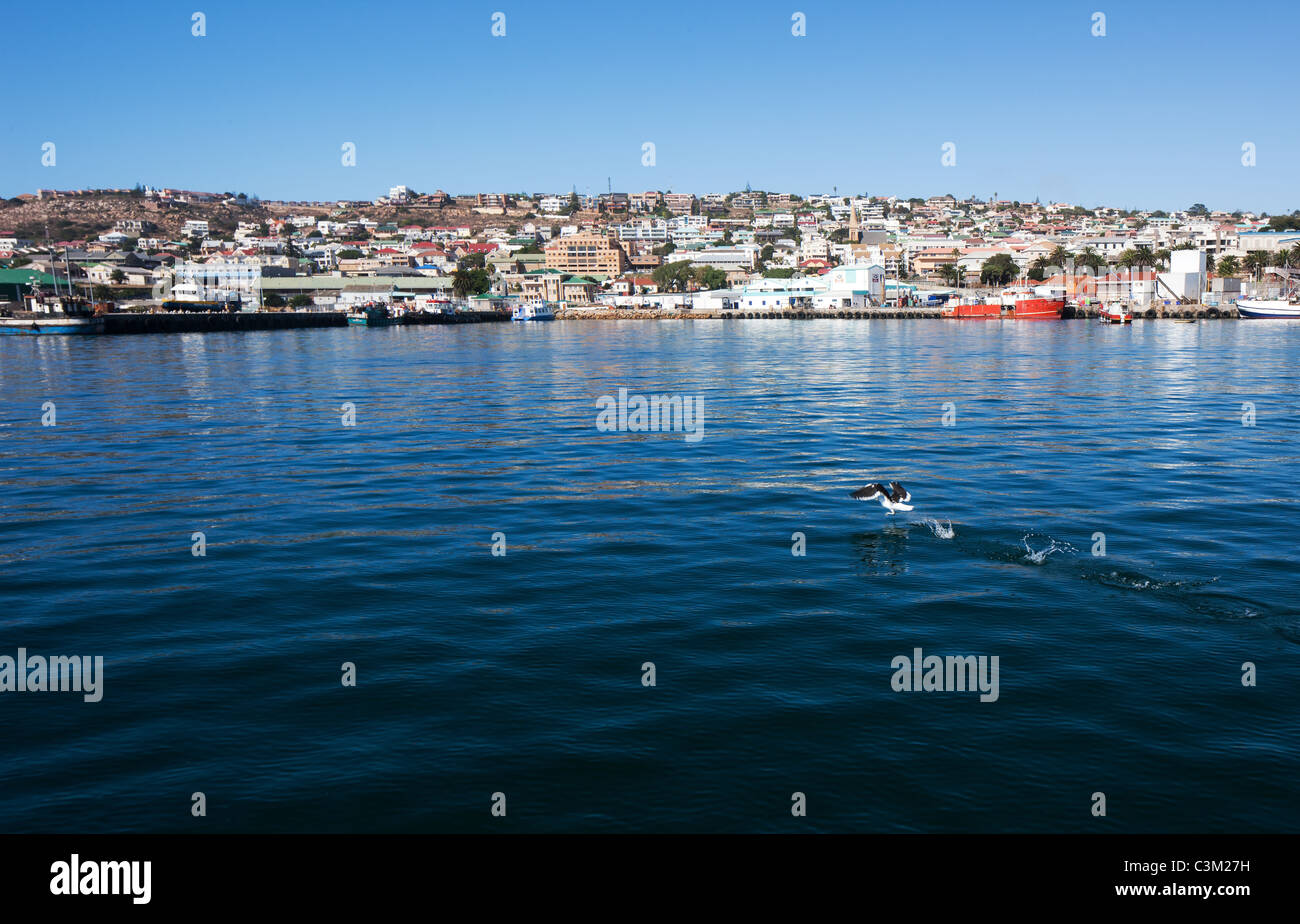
[[644, 254]]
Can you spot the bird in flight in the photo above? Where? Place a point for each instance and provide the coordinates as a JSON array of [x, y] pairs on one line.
[[894, 497]]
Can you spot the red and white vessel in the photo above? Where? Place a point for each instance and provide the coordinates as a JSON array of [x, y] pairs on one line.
[[1115, 314], [970, 308], [1027, 303]]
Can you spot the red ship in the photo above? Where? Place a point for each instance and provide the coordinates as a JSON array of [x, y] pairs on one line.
[[1027, 305]]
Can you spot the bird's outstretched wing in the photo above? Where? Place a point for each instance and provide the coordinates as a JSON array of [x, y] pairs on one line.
[[898, 493], [868, 492]]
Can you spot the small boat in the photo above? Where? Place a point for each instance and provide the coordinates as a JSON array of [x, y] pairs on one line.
[[52, 324], [1285, 307], [534, 310], [53, 314], [1115, 314], [1277, 308], [372, 315]]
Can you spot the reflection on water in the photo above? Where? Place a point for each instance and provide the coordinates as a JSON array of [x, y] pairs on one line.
[[374, 544]]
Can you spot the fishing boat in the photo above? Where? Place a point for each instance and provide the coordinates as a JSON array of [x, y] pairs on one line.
[[53, 314], [969, 308], [534, 310], [1115, 314], [1285, 307], [372, 315], [1026, 303], [1268, 308]]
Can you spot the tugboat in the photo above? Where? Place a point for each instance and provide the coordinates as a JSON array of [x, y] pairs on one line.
[[1115, 314], [53, 314]]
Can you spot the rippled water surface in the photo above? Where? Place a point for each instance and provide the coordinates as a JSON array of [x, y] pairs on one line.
[[522, 674]]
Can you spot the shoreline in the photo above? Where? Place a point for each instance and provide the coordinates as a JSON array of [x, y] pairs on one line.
[[1162, 313], [174, 322]]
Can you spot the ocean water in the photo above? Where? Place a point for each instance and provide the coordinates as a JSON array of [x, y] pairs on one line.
[[524, 673]]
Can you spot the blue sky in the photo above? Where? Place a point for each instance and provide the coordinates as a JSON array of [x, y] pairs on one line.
[[1154, 114]]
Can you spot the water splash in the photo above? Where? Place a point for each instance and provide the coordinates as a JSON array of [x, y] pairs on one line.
[[1038, 556], [940, 530]]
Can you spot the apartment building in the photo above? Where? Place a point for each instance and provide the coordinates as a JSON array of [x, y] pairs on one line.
[[679, 203], [587, 253], [646, 201], [655, 230]]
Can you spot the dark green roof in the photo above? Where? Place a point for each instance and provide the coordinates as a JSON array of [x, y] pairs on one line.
[[26, 277]]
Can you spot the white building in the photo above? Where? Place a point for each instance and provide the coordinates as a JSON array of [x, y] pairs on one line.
[[855, 286], [221, 279], [743, 258]]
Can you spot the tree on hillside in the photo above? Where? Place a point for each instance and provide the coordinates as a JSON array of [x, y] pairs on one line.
[[673, 277], [710, 277], [470, 282], [999, 269], [1285, 222]]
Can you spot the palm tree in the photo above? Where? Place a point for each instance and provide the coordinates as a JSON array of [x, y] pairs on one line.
[[1144, 255], [951, 273], [1090, 257], [1162, 257], [1256, 262], [1228, 266], [1059, 256]]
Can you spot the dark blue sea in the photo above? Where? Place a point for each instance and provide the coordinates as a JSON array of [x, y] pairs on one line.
[[525, 673]]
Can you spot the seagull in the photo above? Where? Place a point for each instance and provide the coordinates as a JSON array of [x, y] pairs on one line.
[[894, 497]]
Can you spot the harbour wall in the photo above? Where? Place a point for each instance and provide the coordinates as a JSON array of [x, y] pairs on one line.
[[1173, 312], [187, 322]]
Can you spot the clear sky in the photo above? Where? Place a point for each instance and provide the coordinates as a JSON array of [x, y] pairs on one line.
[[1154, 114]]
